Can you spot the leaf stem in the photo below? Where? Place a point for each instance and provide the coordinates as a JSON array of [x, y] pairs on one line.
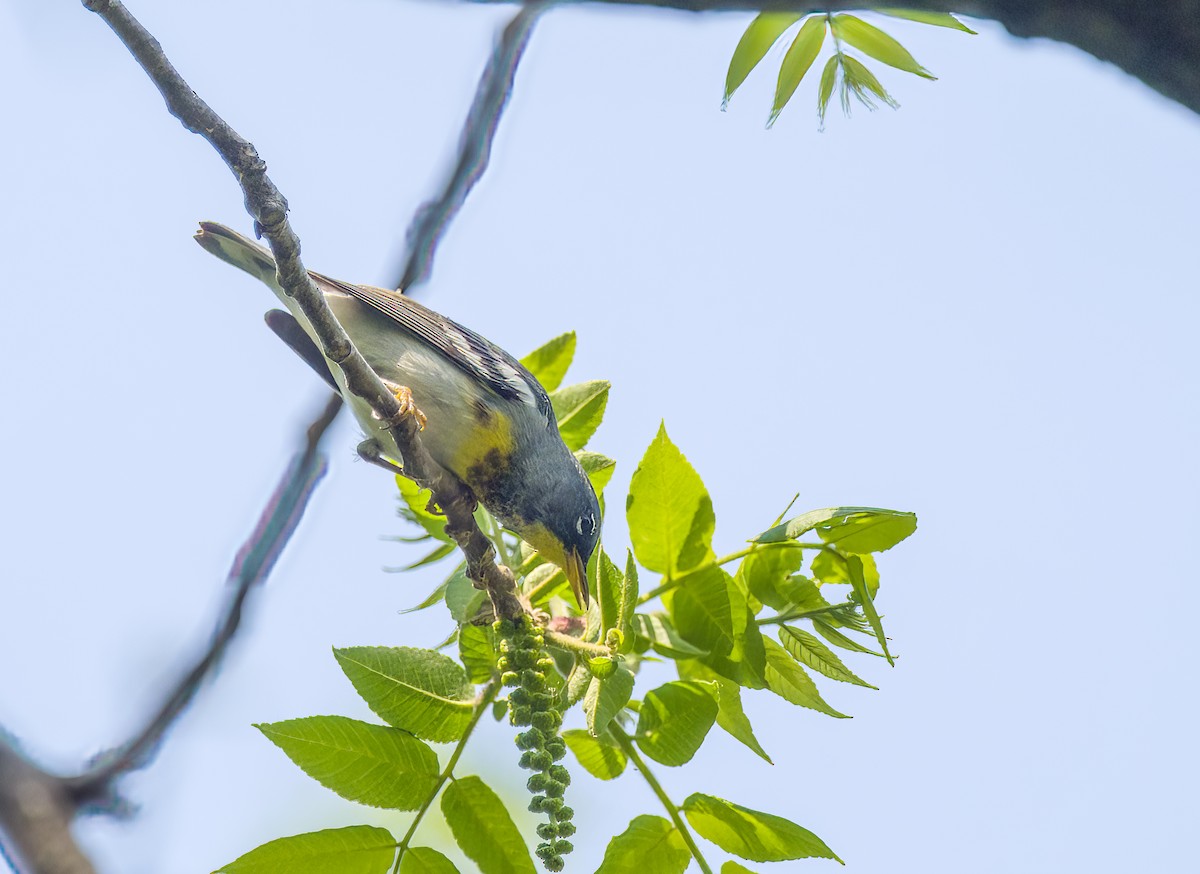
[[574, 644], [486, 697], [626, 744], [788, 617], [670, 584]]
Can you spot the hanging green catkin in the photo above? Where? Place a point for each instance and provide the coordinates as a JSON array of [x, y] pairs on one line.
[[523, 664]]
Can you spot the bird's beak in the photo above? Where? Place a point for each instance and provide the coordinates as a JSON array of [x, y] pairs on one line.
[[576, 572]]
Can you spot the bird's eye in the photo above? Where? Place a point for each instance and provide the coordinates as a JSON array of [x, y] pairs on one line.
[[586, 525]]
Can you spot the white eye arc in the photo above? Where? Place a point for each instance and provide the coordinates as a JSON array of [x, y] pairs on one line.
[[585, 525]]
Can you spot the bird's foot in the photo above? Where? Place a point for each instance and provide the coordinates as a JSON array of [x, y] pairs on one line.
[[408, 407]]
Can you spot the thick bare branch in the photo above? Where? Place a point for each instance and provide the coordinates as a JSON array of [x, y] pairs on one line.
[[36, 811], [474, 147], [268, 208]]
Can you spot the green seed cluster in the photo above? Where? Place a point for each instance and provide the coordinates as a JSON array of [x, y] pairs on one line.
[[523, 665]]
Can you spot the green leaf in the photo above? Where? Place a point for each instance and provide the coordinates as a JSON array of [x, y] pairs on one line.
[[803, 594], [825, 90], [543, 583], [477, 652], [796, 63], [938, 19], [579, 409], [359, 849], [440, 551], [710, 612], [432, 598], [658, 629], [861, 82], [863, 595], [605, 698], [414, 508], [830, 568], [629, 603], [599, 468], [548, 363], [835, 637], [600, 756], [758, 38], [370, 764], [669, 512], [868, 530], [789, 681], [610, 592], [650, 845], [765, 573], [418, 690], [463, 600], [675, 719], [730, 867], [870, 40], [751, 834], [483, 829], [730, 715], [807, 650], [423, 860]]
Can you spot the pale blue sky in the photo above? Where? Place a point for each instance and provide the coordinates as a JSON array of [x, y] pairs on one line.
[[981, 308]]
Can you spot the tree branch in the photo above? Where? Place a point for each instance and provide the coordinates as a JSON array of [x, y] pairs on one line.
[[474, 147], [268, 207], [1158, 43], [36, 807]]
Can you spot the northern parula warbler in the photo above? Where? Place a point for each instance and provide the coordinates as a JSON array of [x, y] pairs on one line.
[[487, 419]]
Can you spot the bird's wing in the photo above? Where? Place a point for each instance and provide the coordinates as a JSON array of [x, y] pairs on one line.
[[476, 356]]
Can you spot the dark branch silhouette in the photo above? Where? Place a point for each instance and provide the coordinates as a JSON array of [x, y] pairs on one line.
[[37, 807], [474, 148]]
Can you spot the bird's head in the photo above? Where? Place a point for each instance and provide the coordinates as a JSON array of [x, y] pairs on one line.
[[564, 526]]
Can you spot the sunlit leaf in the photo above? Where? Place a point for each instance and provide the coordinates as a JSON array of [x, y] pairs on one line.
[[605, 698], [765, 573], [599, 468], [371, 764], [549, 362], [601, 756], [579, 409], [732, 867], [825, 89], [796, 63], [483, 829], [660, 631], [758, 38], [868, 530], [463, 600], [424, 860], [434, 597], [674, 720], [414, 508], [789, 681], [650, 845], [751, 834], [418, 690], [359, 849], [835, 637], [938, 19], [477, 652], [711, 613], [669, 512], [870, 40], [807, 650], [861, 82], [730, 714], [854, 563]]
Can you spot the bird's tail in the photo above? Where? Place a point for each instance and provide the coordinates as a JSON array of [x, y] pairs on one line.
[[232, 248]]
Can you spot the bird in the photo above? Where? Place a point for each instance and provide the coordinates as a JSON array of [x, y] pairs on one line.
[[486, 419]]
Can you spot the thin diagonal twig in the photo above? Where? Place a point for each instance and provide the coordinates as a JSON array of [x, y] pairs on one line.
[[474, 147]]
